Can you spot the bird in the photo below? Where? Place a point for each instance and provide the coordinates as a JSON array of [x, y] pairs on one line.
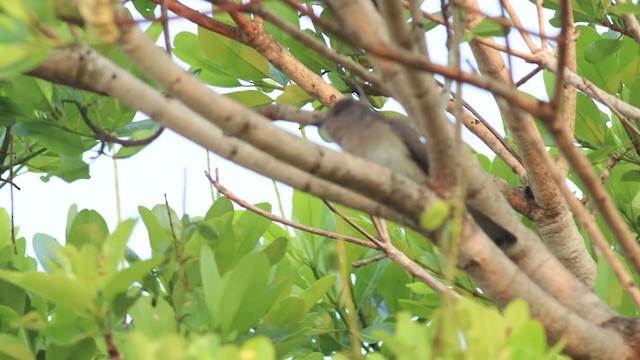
[[393, 143]]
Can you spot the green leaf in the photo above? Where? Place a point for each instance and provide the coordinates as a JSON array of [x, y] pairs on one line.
[[232, 57], [294, 95], [590, 121], [420, 288], [115, 246], [488, 27], [624, 9], [285, 12], [276, 250], [435, 216], [417, 308], [188, 49], [601, 49], [250, 98], [604, 73], [50, 253], [154, 317], [517, 314], [288, 311], [14, 300], [317, 290], [212, 285], [88, 227], [248, 278], [249, 228], [84, 349], [51, 136], [146, 8], [5, 229], [258, 347], [128, 151], [71, 168], [222, 206], [159, 239], [15, 348], [17, 59], [392, 286], [367, 279], [122, 280], [631, 175], [62, 289]]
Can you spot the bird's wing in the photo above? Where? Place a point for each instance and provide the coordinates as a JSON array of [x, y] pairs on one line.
[[411, 137]]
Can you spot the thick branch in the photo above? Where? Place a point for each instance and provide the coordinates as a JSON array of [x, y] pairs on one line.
[[556, 224]]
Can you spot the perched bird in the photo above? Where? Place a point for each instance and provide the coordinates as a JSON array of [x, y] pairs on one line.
[[392, 143]]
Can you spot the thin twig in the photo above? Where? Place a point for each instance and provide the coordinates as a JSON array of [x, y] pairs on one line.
[[164, 18], [526, 36], [369, 261], [105, 136], [536, 108], [231, 196], [360, 229], [541, 29], [528, 77], [406, 263]]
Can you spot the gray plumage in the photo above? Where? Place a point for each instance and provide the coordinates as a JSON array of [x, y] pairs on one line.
[[392, 143]]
